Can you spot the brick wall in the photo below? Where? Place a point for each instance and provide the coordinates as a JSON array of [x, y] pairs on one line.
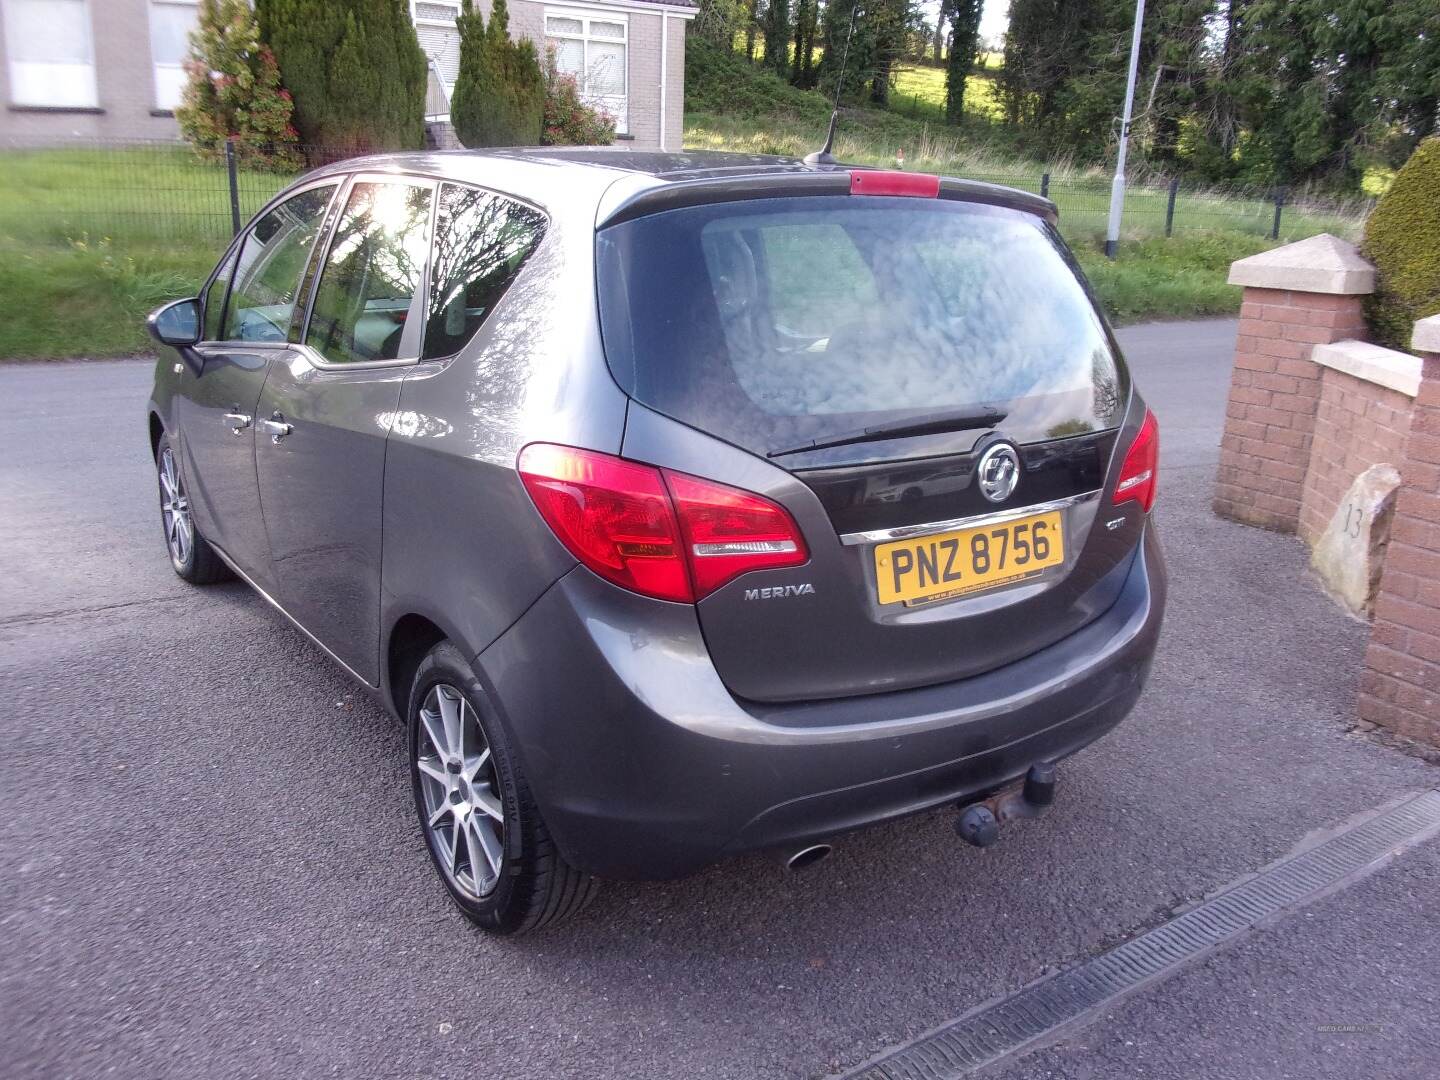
[[527, 18], [1357, 424], [125, 85], [1274, 395], [1400, 686]]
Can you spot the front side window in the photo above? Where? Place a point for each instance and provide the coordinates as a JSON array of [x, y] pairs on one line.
[[272, 258], [52, 56], [593, 48], [215, 299], [796, 319], [171, 22], [481, 242], [371, 274]]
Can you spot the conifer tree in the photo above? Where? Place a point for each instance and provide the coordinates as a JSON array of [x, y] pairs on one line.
[[355, 70], [499, 97]]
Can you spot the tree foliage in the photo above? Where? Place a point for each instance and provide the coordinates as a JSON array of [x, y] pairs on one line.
[[880, 27], [499, 97], [1402, 238], [232, 90], [1270, 91], [776, 25], [354, 68], [964, 43], [1267, 92], [1320, 87], [807, 20]]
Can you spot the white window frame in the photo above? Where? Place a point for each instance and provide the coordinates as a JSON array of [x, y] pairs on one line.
[[617, 105], [89, 101], [155, 65]]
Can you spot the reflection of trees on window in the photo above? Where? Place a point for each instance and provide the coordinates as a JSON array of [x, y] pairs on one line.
[[371, 274], [481, 241], [1106, 379], [272, 259]]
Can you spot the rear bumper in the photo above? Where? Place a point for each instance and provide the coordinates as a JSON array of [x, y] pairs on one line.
[[646, 767]]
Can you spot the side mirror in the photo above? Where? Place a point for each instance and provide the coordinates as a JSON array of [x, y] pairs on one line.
[[177, 323]]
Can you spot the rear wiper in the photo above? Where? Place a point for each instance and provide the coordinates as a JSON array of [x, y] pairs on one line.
[[934, 424]]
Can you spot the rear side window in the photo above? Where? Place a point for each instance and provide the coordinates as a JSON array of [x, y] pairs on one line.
[[784, 320], [272, 258], [481, 242], [371, 273]]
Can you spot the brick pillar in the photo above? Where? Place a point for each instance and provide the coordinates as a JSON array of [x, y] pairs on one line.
[[1400, 686], [1296, 297]]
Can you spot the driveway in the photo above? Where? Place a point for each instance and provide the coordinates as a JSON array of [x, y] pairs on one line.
[[208, 864]]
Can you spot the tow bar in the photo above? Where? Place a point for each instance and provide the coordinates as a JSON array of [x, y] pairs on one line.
[[980, 822]]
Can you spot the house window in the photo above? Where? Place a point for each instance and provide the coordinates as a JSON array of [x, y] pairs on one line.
[[52, 57], [440, 40], [171, 22], [591, 45]]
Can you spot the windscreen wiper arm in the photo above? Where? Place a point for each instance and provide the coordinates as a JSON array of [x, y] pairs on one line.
[[934, 424]]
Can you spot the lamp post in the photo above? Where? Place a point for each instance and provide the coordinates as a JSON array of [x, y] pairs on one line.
[[1117, 186]]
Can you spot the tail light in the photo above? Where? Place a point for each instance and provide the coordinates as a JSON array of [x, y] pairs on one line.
[[653, 531], [1140, 473]]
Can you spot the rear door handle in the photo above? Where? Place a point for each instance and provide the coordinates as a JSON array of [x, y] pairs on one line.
[[237, 421], [275, 427]]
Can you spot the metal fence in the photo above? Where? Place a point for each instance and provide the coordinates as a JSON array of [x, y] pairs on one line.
[[140, 192], [147, 193]]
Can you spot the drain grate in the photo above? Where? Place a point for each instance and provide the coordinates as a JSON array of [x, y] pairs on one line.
[[1028, 1016]]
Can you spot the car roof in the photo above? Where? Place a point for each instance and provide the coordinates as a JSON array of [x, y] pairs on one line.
[[659, 164], [584, 174]]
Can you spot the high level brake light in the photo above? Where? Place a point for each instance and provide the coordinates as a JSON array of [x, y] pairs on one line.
[[1141, 471], [886, 182], [653, 531]]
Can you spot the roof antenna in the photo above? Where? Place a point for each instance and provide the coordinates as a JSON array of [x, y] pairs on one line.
[[823, 155]]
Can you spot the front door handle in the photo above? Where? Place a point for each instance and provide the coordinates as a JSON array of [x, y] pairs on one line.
[[237, 421], [275, 427]]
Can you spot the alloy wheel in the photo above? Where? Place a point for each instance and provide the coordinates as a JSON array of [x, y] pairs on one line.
[[175, 509], [464, 812]]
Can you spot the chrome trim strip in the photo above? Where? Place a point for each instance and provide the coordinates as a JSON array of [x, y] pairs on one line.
[[311, 356], [930, 528], [293, 621]]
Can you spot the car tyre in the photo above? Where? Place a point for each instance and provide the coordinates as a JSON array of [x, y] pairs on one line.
[[190, 554], [503, 871]]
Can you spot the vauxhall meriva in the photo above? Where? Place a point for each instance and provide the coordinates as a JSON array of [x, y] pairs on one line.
[[682, 505]]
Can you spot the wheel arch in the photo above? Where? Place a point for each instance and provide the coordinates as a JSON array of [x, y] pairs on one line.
[[157, 429], [411, 637]]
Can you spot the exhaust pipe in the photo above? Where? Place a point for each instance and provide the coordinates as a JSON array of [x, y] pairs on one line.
[[807, 857]]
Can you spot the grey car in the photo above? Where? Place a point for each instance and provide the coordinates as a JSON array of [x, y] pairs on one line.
[[681, 505]]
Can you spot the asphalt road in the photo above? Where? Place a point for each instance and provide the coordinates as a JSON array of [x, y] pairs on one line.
[[208, 864]]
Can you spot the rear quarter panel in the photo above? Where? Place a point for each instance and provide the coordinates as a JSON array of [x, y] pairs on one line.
[[463, 544]]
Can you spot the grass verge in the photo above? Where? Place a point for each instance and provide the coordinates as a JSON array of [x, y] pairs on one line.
[[93, 238]]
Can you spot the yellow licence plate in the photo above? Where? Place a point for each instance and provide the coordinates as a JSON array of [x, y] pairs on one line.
[[945, 565]]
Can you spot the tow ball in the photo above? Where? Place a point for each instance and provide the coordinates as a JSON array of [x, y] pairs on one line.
[[979, 822]]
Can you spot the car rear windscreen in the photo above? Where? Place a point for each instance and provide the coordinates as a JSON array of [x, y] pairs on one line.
[[773, 322]]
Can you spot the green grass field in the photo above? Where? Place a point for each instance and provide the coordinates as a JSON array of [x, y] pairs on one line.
[[92, 239], [919, 92]]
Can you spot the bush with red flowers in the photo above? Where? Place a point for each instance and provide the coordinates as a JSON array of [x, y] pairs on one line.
[[568, 120], [233, 91]]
